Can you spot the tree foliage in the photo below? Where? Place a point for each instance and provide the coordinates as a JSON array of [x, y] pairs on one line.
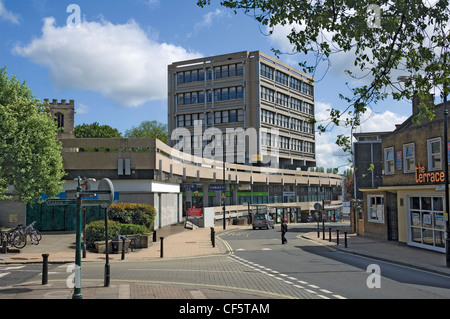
[[400, 38], [149, 129], [95, 130], [30, 154]]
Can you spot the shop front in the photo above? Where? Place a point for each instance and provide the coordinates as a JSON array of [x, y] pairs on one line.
[[417, 211]]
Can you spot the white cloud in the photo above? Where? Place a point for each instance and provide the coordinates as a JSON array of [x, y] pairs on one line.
[[8, 15], [82, 108], [207, 20], [120, 61]]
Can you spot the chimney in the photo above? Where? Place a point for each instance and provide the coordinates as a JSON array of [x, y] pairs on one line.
[[428, 100]]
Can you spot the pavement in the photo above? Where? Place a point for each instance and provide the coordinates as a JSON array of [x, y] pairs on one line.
[[191, 243]]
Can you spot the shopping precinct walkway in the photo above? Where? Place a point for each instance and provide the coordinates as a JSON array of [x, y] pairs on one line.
[[192, 243]]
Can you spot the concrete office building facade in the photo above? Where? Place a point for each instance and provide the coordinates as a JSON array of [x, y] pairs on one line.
[[251, 93]]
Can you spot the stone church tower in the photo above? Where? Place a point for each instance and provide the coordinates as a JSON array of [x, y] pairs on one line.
[[64, 115]]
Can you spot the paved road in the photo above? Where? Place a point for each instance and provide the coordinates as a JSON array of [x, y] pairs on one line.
[[328, 273], [258, 267]]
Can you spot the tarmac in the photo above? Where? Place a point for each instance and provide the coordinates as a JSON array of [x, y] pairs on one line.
[[189, 243]]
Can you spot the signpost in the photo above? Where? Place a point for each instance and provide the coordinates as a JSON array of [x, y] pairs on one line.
[[105, 198]]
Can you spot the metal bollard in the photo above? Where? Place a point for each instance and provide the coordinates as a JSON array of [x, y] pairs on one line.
[[161, 255], [345, 239], [329, 234], [45, 269], [318, 230], [337, 236], [5, 246], [213, 238], [123, 248], [323, 230], [212, 233], [154, 236]]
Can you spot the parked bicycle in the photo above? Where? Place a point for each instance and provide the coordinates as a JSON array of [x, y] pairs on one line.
[[17, 236]]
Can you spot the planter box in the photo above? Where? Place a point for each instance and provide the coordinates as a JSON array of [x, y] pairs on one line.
[[100, 247], [142, 241]]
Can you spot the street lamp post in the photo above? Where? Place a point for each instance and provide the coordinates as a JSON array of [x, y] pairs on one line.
[[77, 286], [445, 153], [224, 185]]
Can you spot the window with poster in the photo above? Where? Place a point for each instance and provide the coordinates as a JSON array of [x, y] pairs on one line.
[[426, 222], [375, 207]]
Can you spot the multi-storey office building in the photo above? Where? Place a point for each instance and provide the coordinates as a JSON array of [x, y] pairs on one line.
[[261, 106]]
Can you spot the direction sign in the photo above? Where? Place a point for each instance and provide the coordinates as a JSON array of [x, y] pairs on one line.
[[59, 201], [86, 194], [94, 202]]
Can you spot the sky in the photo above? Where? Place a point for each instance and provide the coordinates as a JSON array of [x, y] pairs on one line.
[[113, 60]]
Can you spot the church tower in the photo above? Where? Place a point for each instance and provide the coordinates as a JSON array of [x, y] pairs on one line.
[[64, 115]]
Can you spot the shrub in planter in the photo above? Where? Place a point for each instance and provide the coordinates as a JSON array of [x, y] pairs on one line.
[[95, 231], [129, 213]]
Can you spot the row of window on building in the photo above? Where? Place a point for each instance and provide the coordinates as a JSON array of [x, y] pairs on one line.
[[219, 72], [287, 122], [222, 94], [220, 117], [285, 79], [405, 159], [285, 100], [286, 143]]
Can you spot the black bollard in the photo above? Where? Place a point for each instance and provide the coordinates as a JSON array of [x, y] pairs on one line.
[[154, 236], [5, 246], [318, 230], [329, 234], [337, 236], [45, 269], [212, 233], [213, 238], [123, 247], [162, 247], [323, 230]]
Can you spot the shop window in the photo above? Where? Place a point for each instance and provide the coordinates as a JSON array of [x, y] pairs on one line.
[[426, 222], [375, 205], [434, 154], [389, 160]]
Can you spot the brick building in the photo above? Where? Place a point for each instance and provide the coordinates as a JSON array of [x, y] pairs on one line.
[[409, 206]]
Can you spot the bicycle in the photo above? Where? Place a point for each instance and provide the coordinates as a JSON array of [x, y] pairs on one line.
[[13, 238], [17, 236]]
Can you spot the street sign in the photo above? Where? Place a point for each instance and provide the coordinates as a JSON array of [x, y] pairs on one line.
[[86, 194], [223, 196], [195, 212], [216, 187], [59, 201], [94, 202]]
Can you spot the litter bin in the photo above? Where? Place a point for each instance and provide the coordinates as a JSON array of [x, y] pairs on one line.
[[117, 244]]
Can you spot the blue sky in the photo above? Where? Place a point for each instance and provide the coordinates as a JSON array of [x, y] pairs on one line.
[[115, 64]]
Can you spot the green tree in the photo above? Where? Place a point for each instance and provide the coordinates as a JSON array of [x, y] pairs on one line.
[[149, 129], [95, 130], [30, 154], [384, 38]]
